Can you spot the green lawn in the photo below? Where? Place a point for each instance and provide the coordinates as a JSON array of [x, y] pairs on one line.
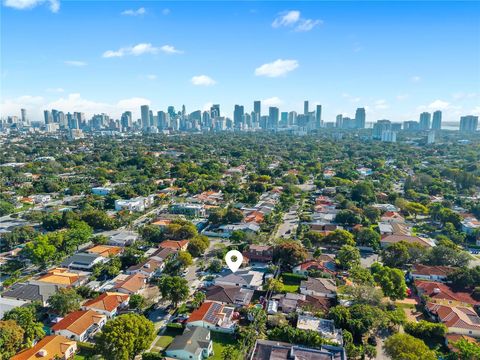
[[291, 288], [79, 357], [219, 342], [164, 341]]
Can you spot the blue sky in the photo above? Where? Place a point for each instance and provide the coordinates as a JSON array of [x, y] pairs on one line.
[[394, 58]]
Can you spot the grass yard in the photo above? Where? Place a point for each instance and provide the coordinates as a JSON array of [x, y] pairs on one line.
[[164, 341], [291, 288], [220, 341]]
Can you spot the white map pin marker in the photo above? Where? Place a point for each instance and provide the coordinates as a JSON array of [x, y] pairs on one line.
[[234, 264]]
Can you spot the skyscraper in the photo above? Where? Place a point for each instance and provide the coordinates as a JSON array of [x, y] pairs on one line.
[[284, 119], [145, 113], [437, 120], [215, 111], [257, 108], [425, 120], [238, 113], [468, 123], [305, 107], [360, 118], [47, 115], [162, 120], [126, 120], [318, 117], [339, 121], [273, 113], [24, 116]]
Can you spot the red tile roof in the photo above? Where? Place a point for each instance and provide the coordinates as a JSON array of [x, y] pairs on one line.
[[456, 317], [420, 269], [108, 301], [78, 321], [439, 291]]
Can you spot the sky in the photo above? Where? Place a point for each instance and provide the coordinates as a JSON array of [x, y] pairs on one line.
[[396, 59]]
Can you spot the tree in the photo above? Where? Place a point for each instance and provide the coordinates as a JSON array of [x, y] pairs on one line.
[[216, 265], [467, 350], [362, 294], [233, 216], [152, 233], [465, 278], [65, 301], [198, 299], [198, 245], [339, 237], [445, 256], [230, 352], [11, 338], [6, 208], [396, 255], [348, 256], [124, 337], [25, 317], [372, 214], [289, 254], [416, 209], [363, 192], [275, 285], [404, 346], [392, 281], [426, 330], [348, 217], [174, 288], [136, 302], [40, 251], [368, 237], [184, 258]]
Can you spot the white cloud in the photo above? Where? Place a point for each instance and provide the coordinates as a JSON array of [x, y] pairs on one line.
[[273, 101], [55, 90], [287, 18], [131, 12], [439, 105], [203, 80], [140, 49], [415, 79], [381, 104], [166, 11], [293, 19], [13, 106], [76, 63], [169, 49], [307, 25], [151, 77], [30, 4], [277, 68]]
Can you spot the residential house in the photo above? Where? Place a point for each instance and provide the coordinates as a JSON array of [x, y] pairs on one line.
[[458, 319], [432, 273], [392, 217], [319, 287], [325, 265], [31, 291], [326, 328], [470, 225], [388, 240], [105, 250], [276, 350], [9, 304], [227, 294], [260, 253], [80, 325], [249, 279], [83, 261], [132, 284], [195, 343], [178, 245], [151, 267], [121, 237], [213, 316], [51, 347], [193, 210], [228, 229], [101, 191], [64, 278], [441, 293], [107, 303]]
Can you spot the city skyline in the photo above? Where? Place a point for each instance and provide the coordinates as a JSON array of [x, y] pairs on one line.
[[340, 55]]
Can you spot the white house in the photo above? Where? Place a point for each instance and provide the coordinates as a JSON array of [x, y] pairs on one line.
[[107, 303], [80, 325]]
